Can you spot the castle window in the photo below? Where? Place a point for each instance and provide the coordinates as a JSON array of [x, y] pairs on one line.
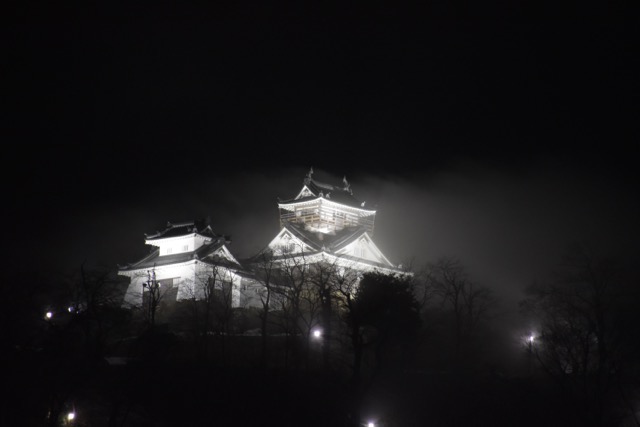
[[287, 248]]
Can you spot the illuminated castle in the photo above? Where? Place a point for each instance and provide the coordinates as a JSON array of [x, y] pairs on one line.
[[326, 222], [186, 255], [323, 223]]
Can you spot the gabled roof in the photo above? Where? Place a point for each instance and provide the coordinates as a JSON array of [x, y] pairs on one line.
[[368, 262], [330, 242], [314, 241], [200, 227], [334, 243], [339, 194], [205, 253], [329, 245]]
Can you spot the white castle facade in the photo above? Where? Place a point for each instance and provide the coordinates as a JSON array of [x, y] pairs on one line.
[[322, 223]]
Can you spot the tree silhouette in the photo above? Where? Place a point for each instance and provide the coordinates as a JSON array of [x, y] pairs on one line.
[[386, 312], [264, 267], [468, 302], [587, 341]]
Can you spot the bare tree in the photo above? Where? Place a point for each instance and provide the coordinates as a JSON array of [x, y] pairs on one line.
[[345, 289], [96, 307], [424, 285], [292, 276], [211, 304], [84, 318], [468, 302], [298, 293], [152, 294], [265, 273], [224, 311], [324, 279], [585, 340]]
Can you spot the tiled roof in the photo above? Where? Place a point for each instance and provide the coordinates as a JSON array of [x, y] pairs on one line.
[[154, 258], [368, 262], [342, 195], [183, 229], [331, 242]]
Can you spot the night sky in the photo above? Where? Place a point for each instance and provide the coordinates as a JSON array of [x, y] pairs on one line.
[[496, 139]]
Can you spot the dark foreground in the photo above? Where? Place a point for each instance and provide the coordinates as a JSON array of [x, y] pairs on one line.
[[171, 393]]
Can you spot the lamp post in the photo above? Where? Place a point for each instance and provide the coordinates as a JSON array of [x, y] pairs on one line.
[[153, 286]]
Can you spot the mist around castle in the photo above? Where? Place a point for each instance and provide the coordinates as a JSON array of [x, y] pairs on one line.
[[320, 327]]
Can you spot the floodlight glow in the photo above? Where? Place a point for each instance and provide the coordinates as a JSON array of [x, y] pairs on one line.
[[531, 339], [49, 315], [71, 416], [371, 424], [317, 333]]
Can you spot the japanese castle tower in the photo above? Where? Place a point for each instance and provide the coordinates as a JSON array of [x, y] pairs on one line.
[[327, 222], [322, 223]]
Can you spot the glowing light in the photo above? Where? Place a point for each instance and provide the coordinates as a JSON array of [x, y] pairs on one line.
[[317, 333], [71, 416], [371, 424], [532, 339], [49, 315]]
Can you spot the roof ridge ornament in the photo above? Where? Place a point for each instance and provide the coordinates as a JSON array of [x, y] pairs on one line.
[[347, 186], [307, 178]]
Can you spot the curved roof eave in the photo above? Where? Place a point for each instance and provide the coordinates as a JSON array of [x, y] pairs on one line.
[[287, 203]]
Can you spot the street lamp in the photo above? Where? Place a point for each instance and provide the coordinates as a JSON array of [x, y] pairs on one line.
[[317, 333], [68, 419]]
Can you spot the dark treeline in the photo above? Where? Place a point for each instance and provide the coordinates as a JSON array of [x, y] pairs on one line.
[[327, 346]]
